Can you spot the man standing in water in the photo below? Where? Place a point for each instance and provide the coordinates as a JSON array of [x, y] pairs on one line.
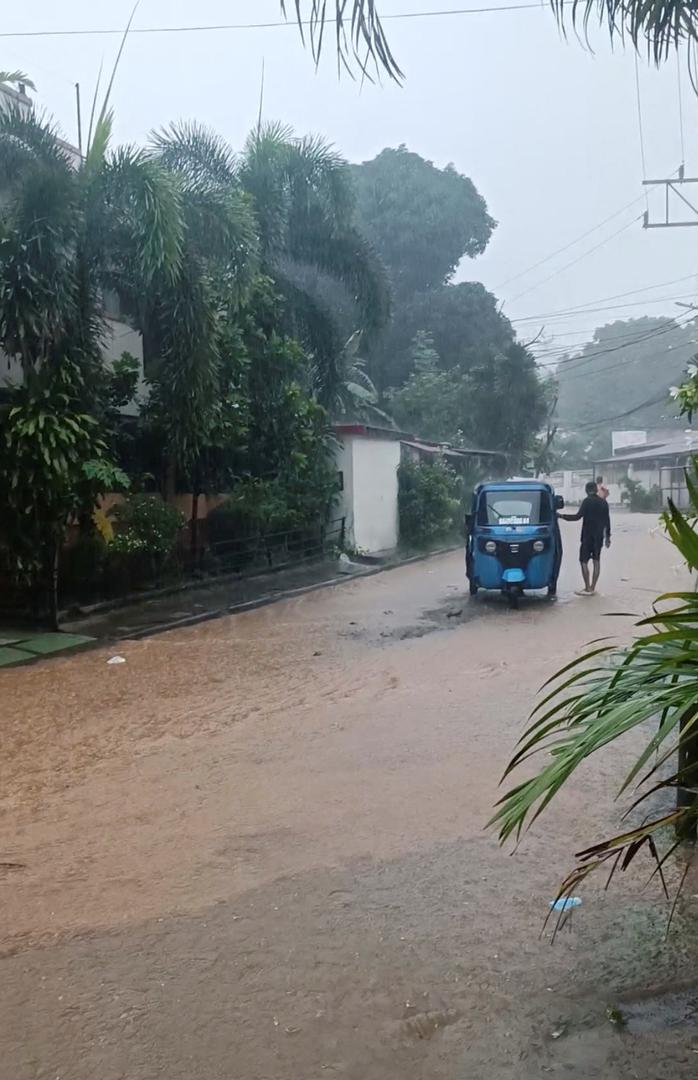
[[596, 528]]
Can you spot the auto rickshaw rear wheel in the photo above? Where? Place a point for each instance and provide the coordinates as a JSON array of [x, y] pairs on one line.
[[472, 588]]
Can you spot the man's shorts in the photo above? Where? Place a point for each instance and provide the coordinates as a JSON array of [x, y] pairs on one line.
[[590, 548]]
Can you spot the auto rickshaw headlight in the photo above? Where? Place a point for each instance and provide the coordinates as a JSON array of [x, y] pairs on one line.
[[538, 545], [490, 547]]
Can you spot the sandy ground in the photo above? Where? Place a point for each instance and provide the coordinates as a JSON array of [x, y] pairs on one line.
[[256, 850]]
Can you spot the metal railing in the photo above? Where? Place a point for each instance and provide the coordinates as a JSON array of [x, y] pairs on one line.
[[273, 551]]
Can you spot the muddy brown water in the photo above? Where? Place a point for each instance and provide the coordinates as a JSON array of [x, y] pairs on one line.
[[256, 851]]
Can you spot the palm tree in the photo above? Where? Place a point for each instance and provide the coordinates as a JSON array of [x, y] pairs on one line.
[[182, 319], [301, 193], [72, 229]]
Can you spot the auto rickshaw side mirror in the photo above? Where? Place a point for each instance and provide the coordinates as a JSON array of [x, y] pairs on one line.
[[559, 502]]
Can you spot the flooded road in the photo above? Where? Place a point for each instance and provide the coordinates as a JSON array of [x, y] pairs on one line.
[[255, 851]]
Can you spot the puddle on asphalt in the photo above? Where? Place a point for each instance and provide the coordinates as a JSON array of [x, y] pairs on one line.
[[642, 1017]]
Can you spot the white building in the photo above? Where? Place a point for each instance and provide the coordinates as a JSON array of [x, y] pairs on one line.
[[367, 461]]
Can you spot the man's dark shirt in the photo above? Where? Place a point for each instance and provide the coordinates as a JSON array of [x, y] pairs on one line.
[[596, 519]]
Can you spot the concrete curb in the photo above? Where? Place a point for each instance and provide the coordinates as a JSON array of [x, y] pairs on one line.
[[272, 598]]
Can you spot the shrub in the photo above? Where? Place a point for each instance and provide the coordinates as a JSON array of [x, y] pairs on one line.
[[256, 507], [145, 537], [638, 499], [428, 500]]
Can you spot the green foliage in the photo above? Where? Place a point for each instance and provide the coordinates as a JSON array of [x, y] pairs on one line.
[[429, 502], [422, 219], [433, 405], [638, 499], [303, 196], [53, 467], [146, 523], [499, 403]]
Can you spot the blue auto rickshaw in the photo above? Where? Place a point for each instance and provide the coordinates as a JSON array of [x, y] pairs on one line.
[[513, 538]]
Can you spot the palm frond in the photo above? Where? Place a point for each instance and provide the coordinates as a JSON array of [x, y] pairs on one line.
[[349, 258], [660, 27], [197, 154], [16, 78], [142, 202], [359, 36], [28, 141]]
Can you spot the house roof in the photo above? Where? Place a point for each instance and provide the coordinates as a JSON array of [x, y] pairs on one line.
[[682, 446], [425, 446]]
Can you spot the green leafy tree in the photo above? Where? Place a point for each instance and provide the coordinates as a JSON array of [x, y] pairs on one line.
[[54, 465], [429, 501], [423, 220]]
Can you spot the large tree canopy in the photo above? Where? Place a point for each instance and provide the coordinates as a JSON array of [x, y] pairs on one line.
[[423, 220]]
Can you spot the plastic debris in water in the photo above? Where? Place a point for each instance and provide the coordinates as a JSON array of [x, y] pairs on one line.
[[565, 903], [116, 660]]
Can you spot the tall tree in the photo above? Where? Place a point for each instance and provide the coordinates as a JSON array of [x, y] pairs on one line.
[[423, 220], [72, 229], [304, 200]]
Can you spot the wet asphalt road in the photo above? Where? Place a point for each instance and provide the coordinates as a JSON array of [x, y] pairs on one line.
[[256, 850]]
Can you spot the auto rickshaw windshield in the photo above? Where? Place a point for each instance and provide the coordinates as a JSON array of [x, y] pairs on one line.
[[514, 508]]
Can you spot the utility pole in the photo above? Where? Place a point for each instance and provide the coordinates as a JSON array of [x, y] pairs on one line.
[[79, 114], [674, 201]]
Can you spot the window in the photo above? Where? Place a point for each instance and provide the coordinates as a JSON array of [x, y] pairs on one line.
[[514, 508]]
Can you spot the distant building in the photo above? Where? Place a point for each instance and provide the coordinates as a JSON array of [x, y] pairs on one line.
[[656, 459]]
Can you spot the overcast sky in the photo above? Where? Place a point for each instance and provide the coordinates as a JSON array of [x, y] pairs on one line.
[[547, 130]]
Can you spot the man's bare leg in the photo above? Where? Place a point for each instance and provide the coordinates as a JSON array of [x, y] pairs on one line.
[[597, 572], [585, 575]]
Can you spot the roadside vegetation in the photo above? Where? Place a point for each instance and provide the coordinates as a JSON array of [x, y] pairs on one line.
[[265, 315]]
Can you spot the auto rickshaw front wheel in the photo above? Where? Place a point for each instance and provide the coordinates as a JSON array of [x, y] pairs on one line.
[[513, 598]]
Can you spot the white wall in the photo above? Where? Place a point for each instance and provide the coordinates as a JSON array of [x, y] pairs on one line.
[[374, 493]]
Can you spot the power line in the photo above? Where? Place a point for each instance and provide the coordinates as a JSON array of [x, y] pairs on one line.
[[278, 24], [639, 126], [657, 332], [580, 308], [621, 416], [574, 262], [609, 307]]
